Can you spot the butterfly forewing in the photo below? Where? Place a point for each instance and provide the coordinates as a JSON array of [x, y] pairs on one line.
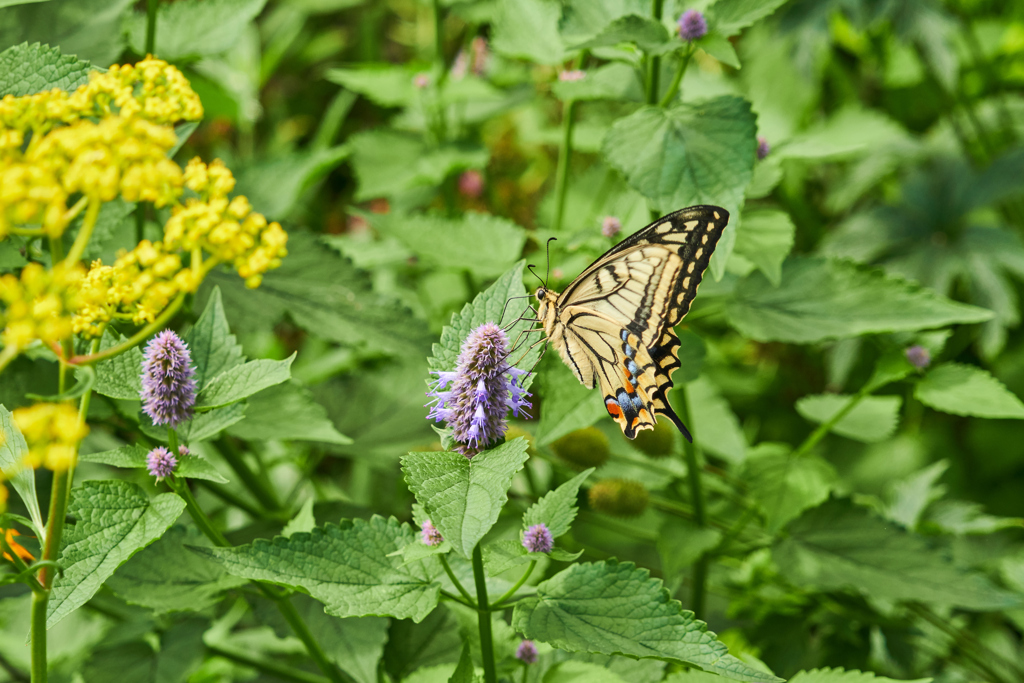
[[614, 322]]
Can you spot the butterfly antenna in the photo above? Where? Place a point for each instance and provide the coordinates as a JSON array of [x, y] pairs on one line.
[[548, 274], [507, 302], [531, 269]]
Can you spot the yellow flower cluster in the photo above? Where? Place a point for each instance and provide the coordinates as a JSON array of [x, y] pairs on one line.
[[52, 431], [39, 304]]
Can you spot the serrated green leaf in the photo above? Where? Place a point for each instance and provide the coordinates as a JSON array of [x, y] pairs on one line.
[[909, 497], [646, 33], [121, 376], [715, 426], [347, 567], [528, 29], [166, 577], [839, 675], [765, 238], [616, 608], [286, 412], [203, 426], [691, 153], [27, 69], [500, 556], [190, 467], [114, 520], [483, 244], [568, 405], [464, 671], [242, 381], [13, 450], [719, 47], [784, 486], [967, 390], [840, 545], [729, 17], [275, 185], [464, 496], [212, 346], [821, 299], [302, 521], [488, 306], [682, 543], [608, 82], [415, 646], [873, 419], [557, 509], [88, 29], [584, 19], [194, 28], [580, 672]]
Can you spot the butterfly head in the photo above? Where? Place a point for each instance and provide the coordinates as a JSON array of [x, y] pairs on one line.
[[546, 305]]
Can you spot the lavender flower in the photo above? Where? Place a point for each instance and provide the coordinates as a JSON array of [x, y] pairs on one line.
[[918, 356], [421, 80], [571, 76], [168, 390], [537, 539], [429, 534], [183, 450], [762, 147], [160, 463], [692, 25], [484, 387], [471, 183], [610, 226], [480, 55], [527, 652]]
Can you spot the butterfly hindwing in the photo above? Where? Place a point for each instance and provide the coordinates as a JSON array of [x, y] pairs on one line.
[[613, 325]]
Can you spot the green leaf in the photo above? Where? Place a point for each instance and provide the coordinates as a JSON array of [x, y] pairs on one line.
[[190, 467], [388, 85], [584, 19], [242, 381], [88, 29], [464, 672], [614, 607], [873, 419], [691, 356], [166, 577], [414, 646], [464, 496], [839, 545], [485, 245], [784, 486], [194, 28], [967, 390], [646, 33], [580, 672], [212, 346], [765, 238], [719, 47], [27, 69], [13, 450], [10, 3], [691, 153], [347, 567], [488, 306], [322, 292], [500, 556], [682, 543], [568, 405], [528, 29], [275, 185], [114, 520], [729, 17], [838, 675], [121, 376], [557, 509], [715, 426], [209, 424], [302, 521], [614, 81], [909, 497], [821, 299], [286, 412]]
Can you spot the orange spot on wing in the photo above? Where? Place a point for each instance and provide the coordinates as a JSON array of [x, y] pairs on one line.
[[613, 409]]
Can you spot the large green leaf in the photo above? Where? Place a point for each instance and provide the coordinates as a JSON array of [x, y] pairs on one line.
[[114, 520], [88, 29], [765, 238], [557, 509], [838, 675], [528, 29], [167, 577], [784, 486], [194, 28], [646, 33], [691, 153], [275, 185], [134, 456], [616, 608], [121, 376], [821, 299], [967, 390], [26, 69], [464, 496], [350, 567], [286, 412], [729, 17], [840, 545], [584, 19], [13, 450], [568, 405], [242, 381], [485, 245], [213, 348], [873, 419]]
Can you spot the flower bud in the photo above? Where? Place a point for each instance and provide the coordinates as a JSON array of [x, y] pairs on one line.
[[537, 539], [527, 652], [610, 226], [168, 390], [583, 448], [160, 463], [918, 356], [762, 147], [692, 25], [618, 497], [429, 534]]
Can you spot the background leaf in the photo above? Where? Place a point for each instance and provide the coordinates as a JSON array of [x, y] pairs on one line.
[[27, 69], [967, 390], [874, 418]]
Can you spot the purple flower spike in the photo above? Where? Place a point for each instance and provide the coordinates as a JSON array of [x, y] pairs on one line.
[[429, 534], [527, 652], [762, 147], [168, 390], [610, 226], [484, 387], [160, 463], [918, 357], [692, 25], [183, 451], [537, 539]]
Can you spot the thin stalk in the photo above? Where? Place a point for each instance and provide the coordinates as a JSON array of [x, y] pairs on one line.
[[268, 666], [455, 598], [92, 212], [135, 339], [673, 87], [301, 630], [483, 617], [151, 26], [40, 603], [180, 487], [512, 591], [698, 587], [654, 65], [451, 575], [256, 486], [562, 170], [971, 647], [438, 35], [818, 434], [140, 222], [235, 500]]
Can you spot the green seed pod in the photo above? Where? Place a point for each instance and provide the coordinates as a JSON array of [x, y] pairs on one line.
[[619, 497], [583, 448], [658, 442]]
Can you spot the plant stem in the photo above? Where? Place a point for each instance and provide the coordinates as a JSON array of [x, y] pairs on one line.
[[140, 222], [824, 428], [455, 598], [458, 585], [180, 487], [698, 592], [263, 493], [233, 499], [562, 170], [673, 88], [512, 591], [438, 35], [268, 666], [151, 26], [92, 212], [40, 603], [972, 649], [654, 65], [483, 616]]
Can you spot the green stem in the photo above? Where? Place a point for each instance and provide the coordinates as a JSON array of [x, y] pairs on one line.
[[92, 212], [698, 593], [40, 603], [301, 630], [268, 666], [151, 26], [256, 486], [562, 170], [971, 647], [140, 222], [512, 591], [654, 65], [438, 35], [135, 339], [824, 428], [483, 616], [455, 598], [451, 575], [180, 487], [235, 500], [673, 87]]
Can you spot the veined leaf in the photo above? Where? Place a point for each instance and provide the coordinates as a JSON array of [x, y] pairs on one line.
[[584, 19], [528, 29], [732, 16], [195, 28], [784, 486], [27, 69], [243, 381], [765, 238], [873, 419], [212, 346], [121, 376], [967, 390], [88, 29], [13, 450], [286, 412], [557, 509], [190, 467], [646, 33]]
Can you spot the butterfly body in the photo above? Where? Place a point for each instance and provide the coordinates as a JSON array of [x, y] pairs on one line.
[[613, 325]]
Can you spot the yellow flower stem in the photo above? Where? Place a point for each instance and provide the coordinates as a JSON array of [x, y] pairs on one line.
[[76, 209], [28, 232], [82, 239], [135, 339]]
